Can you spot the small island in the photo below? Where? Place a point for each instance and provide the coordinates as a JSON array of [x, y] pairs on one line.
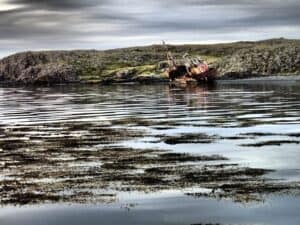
[[147, 64]]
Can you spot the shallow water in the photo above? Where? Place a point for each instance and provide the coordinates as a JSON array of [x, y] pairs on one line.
[[164, 210], [238, 115]]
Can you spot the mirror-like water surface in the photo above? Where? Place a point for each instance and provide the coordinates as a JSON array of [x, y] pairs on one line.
[[151, 154]]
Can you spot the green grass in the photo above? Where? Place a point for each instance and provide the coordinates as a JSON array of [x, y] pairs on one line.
[[96, 66]]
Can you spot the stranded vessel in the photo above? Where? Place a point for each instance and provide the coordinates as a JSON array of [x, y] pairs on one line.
[[190, 70]]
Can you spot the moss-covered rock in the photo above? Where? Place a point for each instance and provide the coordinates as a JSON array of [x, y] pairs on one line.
[[147, 64], [271, 60]]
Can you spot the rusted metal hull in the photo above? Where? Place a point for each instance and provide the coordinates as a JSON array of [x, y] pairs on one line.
[[207, 76], [183, 76]]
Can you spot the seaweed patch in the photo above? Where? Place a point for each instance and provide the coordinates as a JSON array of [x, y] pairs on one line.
[[84, 162]]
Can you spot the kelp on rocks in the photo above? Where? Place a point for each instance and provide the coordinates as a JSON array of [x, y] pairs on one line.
[[78, 162]]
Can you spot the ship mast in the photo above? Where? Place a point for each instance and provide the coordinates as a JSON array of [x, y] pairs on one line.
[[171, 60]]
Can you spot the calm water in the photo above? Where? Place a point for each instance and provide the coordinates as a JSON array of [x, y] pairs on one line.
[[227, 110]]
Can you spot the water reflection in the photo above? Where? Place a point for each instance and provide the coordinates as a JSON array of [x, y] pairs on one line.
[[88, 139], [165, 211]]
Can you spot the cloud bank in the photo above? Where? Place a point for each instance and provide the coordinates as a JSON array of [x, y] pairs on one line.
[[103, 24]]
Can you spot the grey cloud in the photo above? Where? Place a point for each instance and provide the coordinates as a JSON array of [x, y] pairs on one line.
[[258, 3], [58, 4], [230, 19], [77, 23]]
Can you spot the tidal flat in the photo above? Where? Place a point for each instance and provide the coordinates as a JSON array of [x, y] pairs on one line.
[[120, 154]]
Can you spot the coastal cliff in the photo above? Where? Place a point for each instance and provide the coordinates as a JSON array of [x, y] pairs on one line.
[[147, 64]]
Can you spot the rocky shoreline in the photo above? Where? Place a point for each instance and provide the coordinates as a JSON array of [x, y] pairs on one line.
[[147, 64]]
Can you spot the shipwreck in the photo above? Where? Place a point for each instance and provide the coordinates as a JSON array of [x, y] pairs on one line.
[[190, 69]]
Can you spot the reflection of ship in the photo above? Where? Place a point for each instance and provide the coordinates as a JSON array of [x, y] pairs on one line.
[[190, 70], [194, 96]]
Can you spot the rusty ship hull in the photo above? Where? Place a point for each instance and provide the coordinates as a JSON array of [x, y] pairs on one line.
[[178, 74]]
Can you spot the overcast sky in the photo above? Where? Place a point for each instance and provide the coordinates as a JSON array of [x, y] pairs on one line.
[[103, 24]]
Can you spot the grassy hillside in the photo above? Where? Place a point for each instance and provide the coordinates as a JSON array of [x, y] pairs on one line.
[[144, 63]]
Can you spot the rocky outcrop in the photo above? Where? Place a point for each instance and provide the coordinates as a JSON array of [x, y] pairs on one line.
[[146, 64], [48, 74], [36, 68], [276, 60]]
